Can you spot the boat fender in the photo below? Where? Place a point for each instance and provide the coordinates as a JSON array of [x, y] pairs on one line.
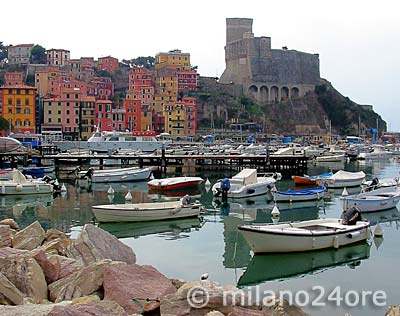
[[37, 187], [3, 189], [313, 243], [368, 233], [18, 188], [318, 197], [124, 177], [225, 185], [353, 234], [336, 242], [290, 199]]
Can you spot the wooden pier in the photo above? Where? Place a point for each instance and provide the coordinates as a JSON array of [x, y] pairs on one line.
[[287, 165]]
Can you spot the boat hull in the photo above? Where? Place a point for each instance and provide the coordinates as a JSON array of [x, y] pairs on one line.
[[174, 183], [138, 213], [25, 188], [275, 240], [262, 187], [303, 181], [280, 197], [121, 175]]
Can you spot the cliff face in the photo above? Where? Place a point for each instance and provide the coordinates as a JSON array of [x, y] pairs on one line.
[[226, 103]]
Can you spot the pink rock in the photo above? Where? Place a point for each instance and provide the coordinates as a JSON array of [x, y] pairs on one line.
[[123, 283], [67, 265], [10, 222], [102, 308], [7, 251], [96, 244], [5, 236], [30, 237], [50, 269]]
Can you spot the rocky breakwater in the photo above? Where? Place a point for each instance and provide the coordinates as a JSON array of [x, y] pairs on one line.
[[47, 273]]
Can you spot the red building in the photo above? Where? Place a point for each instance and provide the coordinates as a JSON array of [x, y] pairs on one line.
[[103, 115], [108, 63], [158, 122], [187, 80], [190, 115], [101, 87], [13, 78], [132, 114]]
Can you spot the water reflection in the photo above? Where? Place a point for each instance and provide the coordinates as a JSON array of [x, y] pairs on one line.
[[174, 228], [268, 267]]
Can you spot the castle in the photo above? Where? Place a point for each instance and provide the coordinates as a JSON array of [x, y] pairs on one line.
[[268, 75]]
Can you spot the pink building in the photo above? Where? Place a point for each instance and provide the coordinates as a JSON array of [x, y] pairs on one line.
[[108, 63], [187, 80], [13, 78], [190, 115], [101, 88]]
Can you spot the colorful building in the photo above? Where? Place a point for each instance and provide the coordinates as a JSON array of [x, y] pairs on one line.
[[13, 78], [57, 57], [109, 64], [175, 119], [190, 116], [132, 114], [19, 107], [87, 119], [187, 80], [174, 59], [19, 54]]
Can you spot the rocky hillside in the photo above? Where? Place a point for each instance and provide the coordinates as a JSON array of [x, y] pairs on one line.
[[224, 104]]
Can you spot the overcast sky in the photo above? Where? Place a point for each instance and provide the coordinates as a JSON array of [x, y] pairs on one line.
[[358, 40]]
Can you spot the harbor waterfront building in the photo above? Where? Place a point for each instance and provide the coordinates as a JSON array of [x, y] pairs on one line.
[[19, 107], [266, 74]]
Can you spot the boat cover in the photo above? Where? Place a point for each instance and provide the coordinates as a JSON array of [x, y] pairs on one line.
[[321, 176], [311, 191], [18, 177], [345, 175], [247, 176]]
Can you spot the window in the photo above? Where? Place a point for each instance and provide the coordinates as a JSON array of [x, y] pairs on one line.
[[49, 120], [18, 102], [59, 112], [67, 96], [27, 111], [18, 91], [59, 120], [26, 91], [67, 121], [27, 123], [9, 91], [49, 111], [9, 111], [26, 102], [77, 112], [10, 101], [67, 112]]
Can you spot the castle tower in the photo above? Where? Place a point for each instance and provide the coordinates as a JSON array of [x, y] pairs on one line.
[[236, 27]]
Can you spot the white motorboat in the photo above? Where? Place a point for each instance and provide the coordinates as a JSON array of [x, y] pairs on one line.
[[331, 158], [372, 201], [21, 185], [379, 183], [146, 211], [116, 175], [342, 179], [244, 184], [174, 183], [377, 152], [304, 236], [299, 195], [9, 144]]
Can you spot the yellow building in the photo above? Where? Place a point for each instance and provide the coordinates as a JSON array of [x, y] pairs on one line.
[[146, 120], [167, 86], [174, 115], [19, 107], [87, 116], [45, 81], [174, 59]]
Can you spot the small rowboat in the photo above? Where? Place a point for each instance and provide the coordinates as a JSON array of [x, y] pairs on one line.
[[299, 195], [116, 175], [310, 180], [304, 236], [174, 183], [376, 200], [141, 212]]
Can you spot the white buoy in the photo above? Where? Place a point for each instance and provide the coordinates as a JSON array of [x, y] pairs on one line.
[[128, 196], [275, 211], [110, 197], [378, 242], [63, 194], [344, 192], [204, 276], [110, 190], [378, 231], [152, 176], [207, 183], [63, 188]]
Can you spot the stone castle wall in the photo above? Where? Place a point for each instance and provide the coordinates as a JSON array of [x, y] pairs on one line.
[[266, 74]]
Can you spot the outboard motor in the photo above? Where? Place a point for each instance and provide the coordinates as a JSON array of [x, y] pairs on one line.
[[89, 173], [186, 200], [351, 216], [53, 182]]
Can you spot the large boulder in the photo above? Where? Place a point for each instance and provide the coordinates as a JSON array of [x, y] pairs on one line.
[[30, 309], [101, 308], [25, 273], [197, 298], [30, 237], [52, 234], [131, 285], [57, 246], [80, 283], [51, 269], [7, 251], [94, 244], [67, 265], [10, 222], [5, 236], [9, 294]]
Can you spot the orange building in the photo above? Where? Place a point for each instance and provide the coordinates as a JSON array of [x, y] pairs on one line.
[[108, 63], [19, 105]]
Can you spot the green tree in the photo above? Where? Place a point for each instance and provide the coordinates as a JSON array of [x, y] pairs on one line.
[[3, 52], [4, 124], [38, 55]]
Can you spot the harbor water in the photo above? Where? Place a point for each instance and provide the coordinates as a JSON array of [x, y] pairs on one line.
[[188, 248]]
